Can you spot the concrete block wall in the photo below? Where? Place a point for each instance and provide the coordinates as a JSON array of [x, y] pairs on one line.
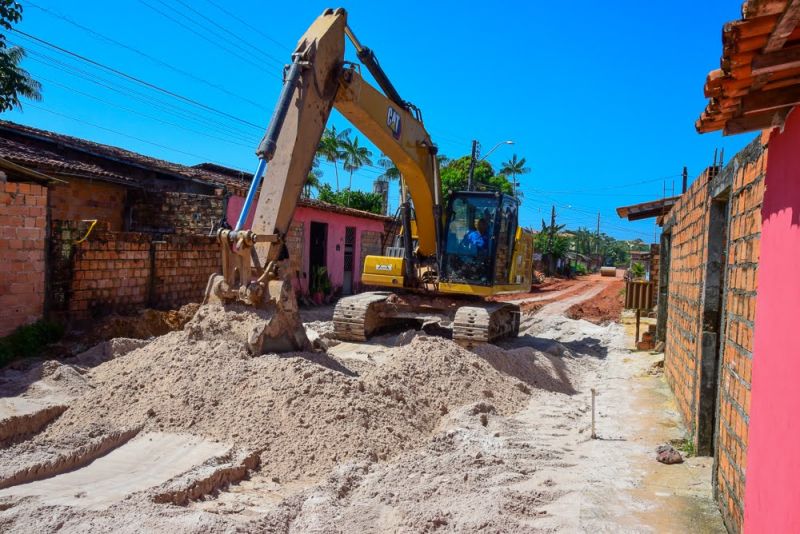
[[689, 218], [733, 418], [23, 229]]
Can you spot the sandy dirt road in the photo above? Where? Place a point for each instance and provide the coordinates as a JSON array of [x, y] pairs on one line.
[[359, 440]]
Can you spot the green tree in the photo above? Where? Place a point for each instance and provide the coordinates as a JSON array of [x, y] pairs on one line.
[[454, 175], [15, 82], [354, 156], [313, 178], [359, 200], [330, 148], [514, 167]]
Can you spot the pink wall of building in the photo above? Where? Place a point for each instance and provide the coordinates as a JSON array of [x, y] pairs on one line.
[[772, 491], [337, 222]]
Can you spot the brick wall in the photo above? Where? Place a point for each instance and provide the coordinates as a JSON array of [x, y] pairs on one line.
[[692, 314], [87, 199], [655, 261], [173, 213], [181, 268], [294, 244], [22, 258], [120, 272], [747, 194], [107, 272], [689, 219]]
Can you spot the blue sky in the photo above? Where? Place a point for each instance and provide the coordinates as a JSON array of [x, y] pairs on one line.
[[600, 98]]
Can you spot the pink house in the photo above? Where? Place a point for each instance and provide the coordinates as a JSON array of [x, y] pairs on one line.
[[330, 236]]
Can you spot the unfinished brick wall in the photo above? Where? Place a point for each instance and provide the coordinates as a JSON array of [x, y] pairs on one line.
[[121, 272], [733, 195], [82, 199], [689, 218], [294, 245], [23, 230], [173, 213], [655, 261], [747, 194], [106, 272], [181, 268]]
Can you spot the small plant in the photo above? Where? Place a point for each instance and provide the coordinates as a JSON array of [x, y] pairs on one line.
[[581, 269], [637, 271], [29, 340], [686, 446], [320, 284]]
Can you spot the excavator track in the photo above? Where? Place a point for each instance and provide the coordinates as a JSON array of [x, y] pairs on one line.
[[357, 317], [485, 323]]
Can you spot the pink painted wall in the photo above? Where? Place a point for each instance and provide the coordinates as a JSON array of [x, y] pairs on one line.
[[772, 490], [337, 222]]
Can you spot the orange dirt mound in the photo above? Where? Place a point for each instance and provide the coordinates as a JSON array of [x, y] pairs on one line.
[[603, 308]]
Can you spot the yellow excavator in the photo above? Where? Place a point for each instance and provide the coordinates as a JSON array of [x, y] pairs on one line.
[[451, 257]]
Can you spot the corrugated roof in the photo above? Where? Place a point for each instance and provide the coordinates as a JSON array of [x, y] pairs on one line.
[[758, 81]]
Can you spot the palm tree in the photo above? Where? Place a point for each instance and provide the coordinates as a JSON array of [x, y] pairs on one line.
[[354, 157], [15, 81], [514, 167], [390, 174], [313, 178], [330, 147]]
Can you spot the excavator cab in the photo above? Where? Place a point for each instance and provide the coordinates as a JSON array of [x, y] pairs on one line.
[[480, 229]]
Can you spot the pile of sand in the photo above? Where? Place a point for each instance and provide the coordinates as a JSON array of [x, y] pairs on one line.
[[305, 412]]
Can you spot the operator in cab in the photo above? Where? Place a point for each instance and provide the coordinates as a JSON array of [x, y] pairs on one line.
[[478, 238]]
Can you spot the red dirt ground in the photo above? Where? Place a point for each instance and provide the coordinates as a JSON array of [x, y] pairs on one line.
[[550, 285], [603, 308]]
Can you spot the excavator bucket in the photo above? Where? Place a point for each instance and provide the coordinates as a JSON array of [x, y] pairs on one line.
[[279, 328]]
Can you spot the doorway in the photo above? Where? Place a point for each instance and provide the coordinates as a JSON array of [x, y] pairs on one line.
[[713, 325], [349, 259], [317, 257]]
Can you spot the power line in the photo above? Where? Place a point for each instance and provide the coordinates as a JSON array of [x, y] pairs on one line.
[[140, 97], [229, 32], [135, 79], [203, 36], [248, 25], [147, 56], [82, 121], [131, 110]]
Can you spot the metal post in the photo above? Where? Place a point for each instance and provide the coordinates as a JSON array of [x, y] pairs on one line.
[[638, 319], [471, 172], [685, 180], [594, 434]]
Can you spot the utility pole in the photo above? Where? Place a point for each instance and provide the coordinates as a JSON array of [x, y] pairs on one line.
[[685, 179], [550, 237], [472, 161], [597, 242]]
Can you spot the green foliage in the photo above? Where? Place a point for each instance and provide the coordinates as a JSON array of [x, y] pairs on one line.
[[15, 82], [581, 269], [454, 175], [312, 180], [320, 282], [28, 340], [637, 270], [557, 245], [330, 148], [390, 171], [360, 200]]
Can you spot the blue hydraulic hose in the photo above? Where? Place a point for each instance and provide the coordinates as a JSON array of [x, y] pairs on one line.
[[248, 202]]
